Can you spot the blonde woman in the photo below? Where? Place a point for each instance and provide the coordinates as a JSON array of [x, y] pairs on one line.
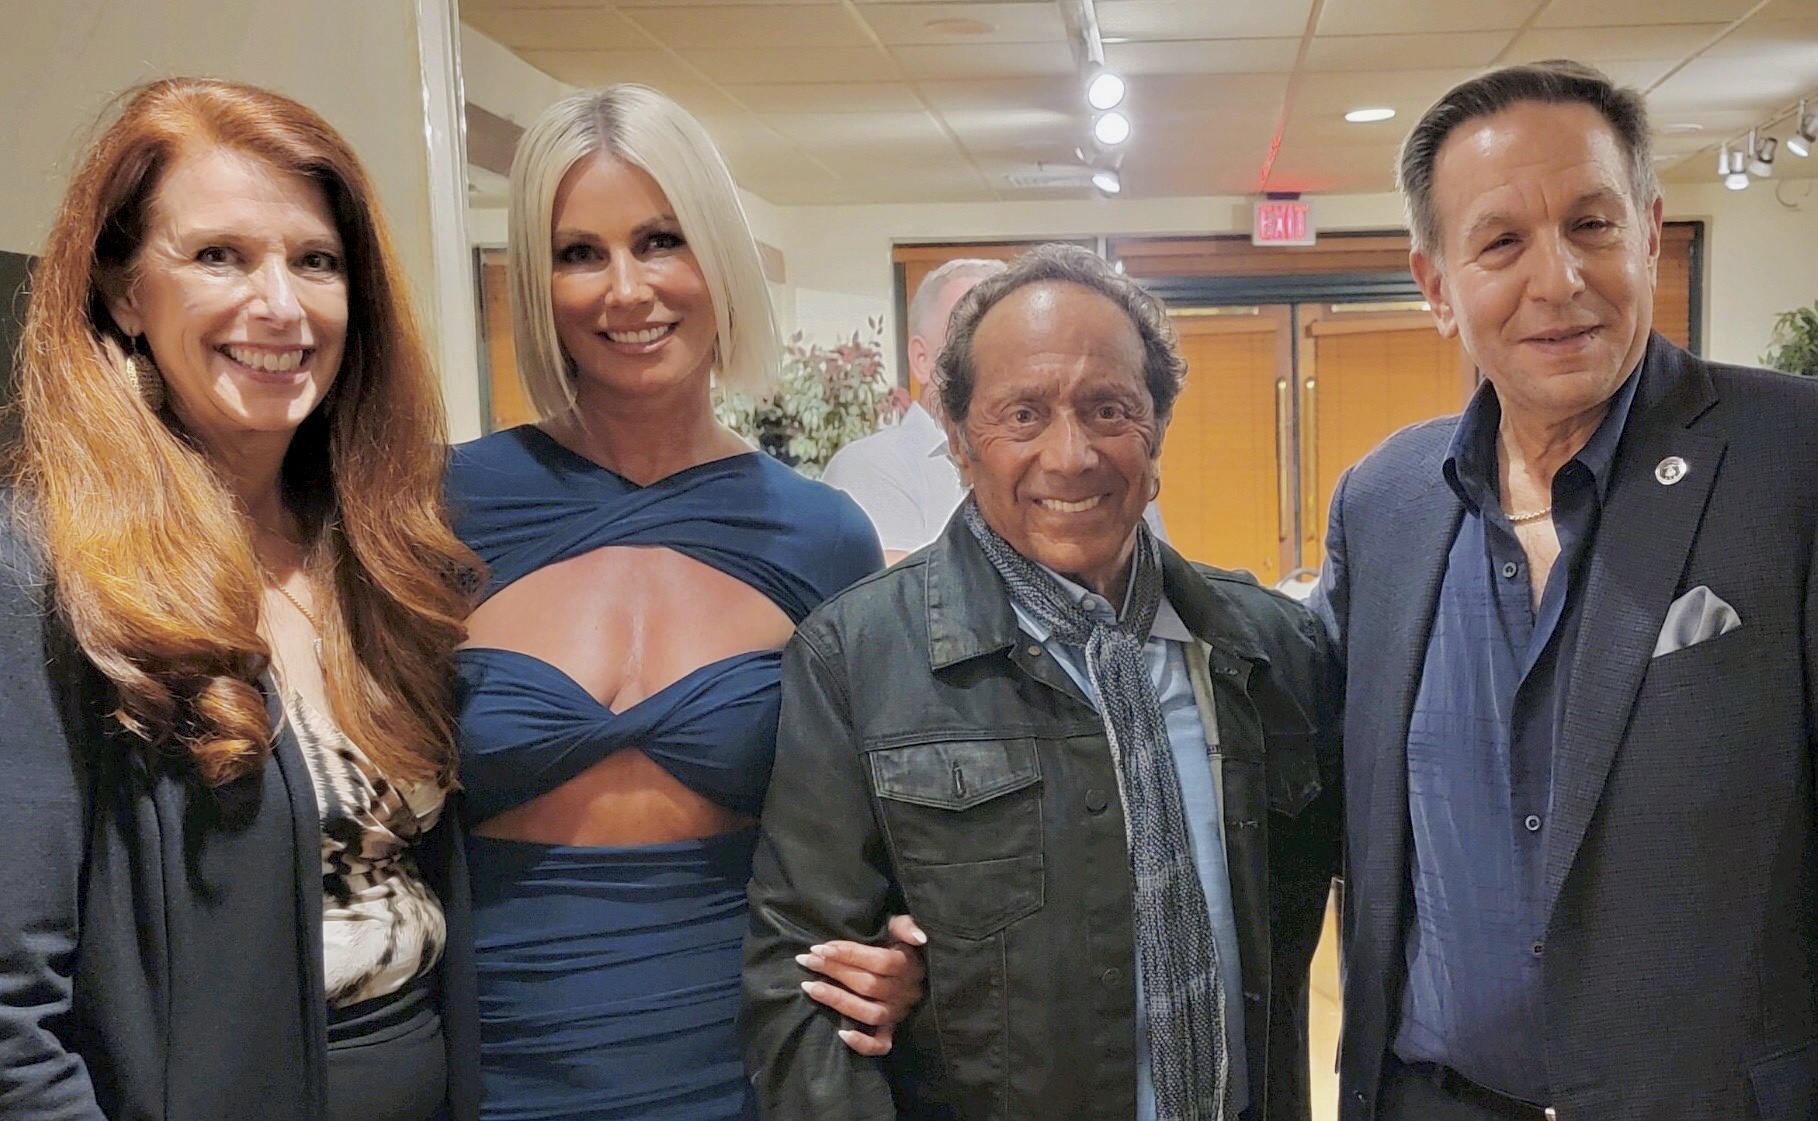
[[619, 693]]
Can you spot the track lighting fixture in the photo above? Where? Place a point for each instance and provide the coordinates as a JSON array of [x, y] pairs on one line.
[[1804, 127]]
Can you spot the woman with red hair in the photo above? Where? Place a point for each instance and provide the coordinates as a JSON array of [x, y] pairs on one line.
[[228, 599]]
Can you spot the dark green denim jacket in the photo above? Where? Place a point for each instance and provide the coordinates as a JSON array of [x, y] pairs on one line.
[[933, 759]]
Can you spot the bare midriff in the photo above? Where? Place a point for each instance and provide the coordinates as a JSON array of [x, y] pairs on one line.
[[625, 799]]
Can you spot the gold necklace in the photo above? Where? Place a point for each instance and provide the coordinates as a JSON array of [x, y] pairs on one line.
[[1524, 519], [301, 610]]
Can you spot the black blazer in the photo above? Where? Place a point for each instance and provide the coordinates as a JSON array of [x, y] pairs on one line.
[[1680, 973], [161, 944]]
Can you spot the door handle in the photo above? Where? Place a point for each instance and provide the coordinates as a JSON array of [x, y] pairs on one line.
[[1284, 449]]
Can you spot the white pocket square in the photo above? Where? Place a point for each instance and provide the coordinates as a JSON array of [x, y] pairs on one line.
[[1694, 617]]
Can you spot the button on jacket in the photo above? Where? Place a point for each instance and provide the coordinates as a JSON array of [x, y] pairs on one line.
[[932, 758]]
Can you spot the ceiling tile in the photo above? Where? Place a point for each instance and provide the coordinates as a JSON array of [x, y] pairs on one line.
[[1058, 94], [986, 60], [1197, 97], [1202, 19], [1408, 92], [821, 130], [1398, 52], [809, 110], [941, 24], [1406, 17], [592, 69], [636, 5], [1030, 134], [827, 97], [1739, 82], [1204, 56], [558, 28], [802, 28], [1629, 13], [1598, 45], [1324, 169], [1797, 32], [763, 66]]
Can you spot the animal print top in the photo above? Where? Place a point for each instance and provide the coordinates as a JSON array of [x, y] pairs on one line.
[[381, 924]]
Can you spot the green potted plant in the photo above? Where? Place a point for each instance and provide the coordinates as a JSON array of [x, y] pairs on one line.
[[827, 398], [1793, 347]]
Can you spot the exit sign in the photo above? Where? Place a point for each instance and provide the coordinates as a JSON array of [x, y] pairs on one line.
[[1282, 222]]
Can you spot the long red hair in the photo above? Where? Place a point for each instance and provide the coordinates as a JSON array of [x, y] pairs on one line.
[[148, 552]]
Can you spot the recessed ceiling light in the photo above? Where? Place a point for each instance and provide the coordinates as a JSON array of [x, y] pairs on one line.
[[1682, 126], [1368, 116], [959, 25]]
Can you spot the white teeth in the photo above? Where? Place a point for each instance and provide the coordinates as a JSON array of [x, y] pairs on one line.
[[274, 362], [1071, 507], [647, 335]]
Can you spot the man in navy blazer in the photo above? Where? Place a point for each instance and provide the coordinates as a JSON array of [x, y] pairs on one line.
[[1580, 630]]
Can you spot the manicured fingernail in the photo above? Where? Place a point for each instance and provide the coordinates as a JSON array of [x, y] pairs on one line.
[[848, 1035], [817, 949], [918, 937], [809, 961], [808, 987]]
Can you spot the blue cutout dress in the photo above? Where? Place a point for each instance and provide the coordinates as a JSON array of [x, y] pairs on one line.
[[609, 977]]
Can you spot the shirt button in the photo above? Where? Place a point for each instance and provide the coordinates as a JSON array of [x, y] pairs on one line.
[[1035, 651], [1538, 948], [1096, 801], [1509, 570], [1533, 823], [1110, 977]]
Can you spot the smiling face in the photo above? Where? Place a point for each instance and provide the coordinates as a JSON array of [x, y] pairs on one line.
[[239, 290], [1061, 442], [1546, 267], [630, 302]]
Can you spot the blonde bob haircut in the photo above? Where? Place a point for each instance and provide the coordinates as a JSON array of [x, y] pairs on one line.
[[648, 131]]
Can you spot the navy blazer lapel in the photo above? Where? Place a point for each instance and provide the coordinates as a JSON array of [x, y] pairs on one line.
[[1643, 539]]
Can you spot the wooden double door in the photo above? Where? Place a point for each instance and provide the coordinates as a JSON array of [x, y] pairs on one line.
[[1280, 400]]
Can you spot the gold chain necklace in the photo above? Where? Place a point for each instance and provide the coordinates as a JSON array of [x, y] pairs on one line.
[[301, 610]]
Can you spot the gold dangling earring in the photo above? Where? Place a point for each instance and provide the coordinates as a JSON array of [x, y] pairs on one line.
[[143, 377]]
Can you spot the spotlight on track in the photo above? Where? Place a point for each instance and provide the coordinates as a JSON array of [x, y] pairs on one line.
[[1111, 129], [1105, 90]]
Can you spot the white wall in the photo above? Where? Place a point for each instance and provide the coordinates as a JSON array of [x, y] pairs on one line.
[[1761, 259], [354, 61]]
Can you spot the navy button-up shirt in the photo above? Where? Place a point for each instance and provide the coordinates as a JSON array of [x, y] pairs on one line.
[[1487, 719]]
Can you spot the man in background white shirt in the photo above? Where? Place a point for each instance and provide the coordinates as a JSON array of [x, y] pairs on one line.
[[901, 476]]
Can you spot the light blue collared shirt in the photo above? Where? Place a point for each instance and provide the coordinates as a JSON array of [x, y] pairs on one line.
[[1165, 655]]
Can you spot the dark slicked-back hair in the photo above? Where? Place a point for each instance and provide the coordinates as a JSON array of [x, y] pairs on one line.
[[1555, 82], [1164, 370]]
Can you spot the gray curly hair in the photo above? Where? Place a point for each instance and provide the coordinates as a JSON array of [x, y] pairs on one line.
[[1164, 370]]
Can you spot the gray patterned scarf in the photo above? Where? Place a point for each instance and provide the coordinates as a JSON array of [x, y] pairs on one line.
[[1176, 950]]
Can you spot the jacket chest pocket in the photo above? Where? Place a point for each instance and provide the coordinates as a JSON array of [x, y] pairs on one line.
[[964, 823]]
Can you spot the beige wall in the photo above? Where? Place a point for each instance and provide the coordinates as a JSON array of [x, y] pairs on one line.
[[1761, 259]]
